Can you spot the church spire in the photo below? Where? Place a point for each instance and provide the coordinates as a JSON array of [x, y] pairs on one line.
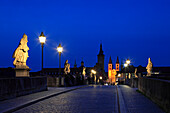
[[110, 60], [117, 64], [117, 61], [101, 50], [100, 58], [75, 64]]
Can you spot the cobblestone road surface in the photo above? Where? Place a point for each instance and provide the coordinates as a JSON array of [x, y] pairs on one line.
[[136, 102], [12, 103], [93, 99]]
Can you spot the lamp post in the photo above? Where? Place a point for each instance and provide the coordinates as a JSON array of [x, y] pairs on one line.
[[126, 65], [60, 50], [42, 40], [119, 75], [100, 77], [94, 72], [128, 61]]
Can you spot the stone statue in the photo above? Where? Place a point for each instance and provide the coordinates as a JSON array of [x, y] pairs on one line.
[[149, 67], [84, 71], [21, 53], [66, 67], [135, 73]]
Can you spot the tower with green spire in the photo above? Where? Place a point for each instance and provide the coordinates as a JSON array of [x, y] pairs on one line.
[[101, 58]]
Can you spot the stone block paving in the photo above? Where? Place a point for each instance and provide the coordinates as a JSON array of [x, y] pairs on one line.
[[135, 102], [16, 102], [92, 99]]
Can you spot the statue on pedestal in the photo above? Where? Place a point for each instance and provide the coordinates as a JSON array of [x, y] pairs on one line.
[[66, 67], [21, 53], [149, 67]]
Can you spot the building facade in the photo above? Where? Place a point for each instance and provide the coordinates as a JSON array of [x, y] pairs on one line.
[[112, 72], [99, 67]]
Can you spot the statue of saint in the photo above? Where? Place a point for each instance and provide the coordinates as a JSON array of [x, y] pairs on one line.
[[135, 73], [21, 53], [149, 67], [66, 67], [84, 71]]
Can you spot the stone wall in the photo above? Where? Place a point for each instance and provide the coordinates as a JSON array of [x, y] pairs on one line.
[[156, 89], [134, 82], [55, 81], [13, 87]]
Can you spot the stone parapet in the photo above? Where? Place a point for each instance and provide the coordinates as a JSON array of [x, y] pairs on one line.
[[157, 90], [55, 81], [14, 87]]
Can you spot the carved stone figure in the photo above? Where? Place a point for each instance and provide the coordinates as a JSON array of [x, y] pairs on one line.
[[66, 67], [21, 53], [149, 67], [84, 71], [135, 73]]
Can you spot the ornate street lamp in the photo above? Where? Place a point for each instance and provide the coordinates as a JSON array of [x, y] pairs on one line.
[[128, 61], [94, 72], [125, 64], [60, 50], [42, 40], [119, 75], [100, 77]]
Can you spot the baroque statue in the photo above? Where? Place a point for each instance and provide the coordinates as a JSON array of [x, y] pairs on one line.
[[149, 67], [136, 73], [21, 53], [84, 71], [66, 67]]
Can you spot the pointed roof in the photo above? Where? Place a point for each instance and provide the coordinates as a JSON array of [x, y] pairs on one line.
[[75, 64], [82, 62], [117, 61], [110, 60], [101, 51]]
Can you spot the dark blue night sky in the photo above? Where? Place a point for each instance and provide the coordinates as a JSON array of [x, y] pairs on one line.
[[135, 29]]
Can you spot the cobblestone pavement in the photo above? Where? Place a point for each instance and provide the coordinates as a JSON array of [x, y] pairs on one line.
[[92, 99], [13, 103], [136, 102]]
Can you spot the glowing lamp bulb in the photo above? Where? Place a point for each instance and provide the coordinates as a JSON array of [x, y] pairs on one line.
[[125, 64], [100, 78], [42, 38], [59, 48], [119, 75], [127, 61]]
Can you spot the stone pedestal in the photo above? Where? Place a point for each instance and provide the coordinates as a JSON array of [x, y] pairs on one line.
[[22, 72], [62, 81], [58, 81]]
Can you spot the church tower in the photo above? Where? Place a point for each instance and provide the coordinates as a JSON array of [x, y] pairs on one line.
[[101, 58], [111, 73], [110, 66], [117, 64]]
